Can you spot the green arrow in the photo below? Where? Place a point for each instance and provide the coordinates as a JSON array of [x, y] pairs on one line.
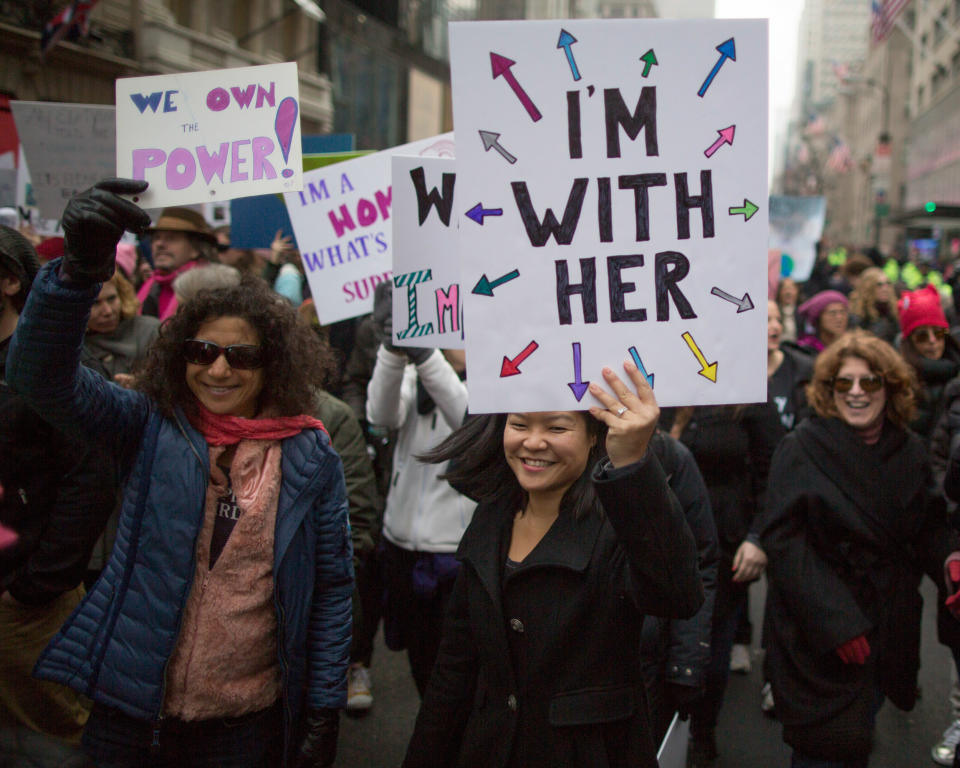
[[747, 210], [485, 286], [648, 59]]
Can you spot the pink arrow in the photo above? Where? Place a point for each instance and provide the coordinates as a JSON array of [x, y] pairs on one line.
[[726, 137], [512, 367], [501, 66]]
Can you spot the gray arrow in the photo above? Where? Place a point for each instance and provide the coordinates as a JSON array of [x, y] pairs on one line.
[[742, 304], [491, 141]]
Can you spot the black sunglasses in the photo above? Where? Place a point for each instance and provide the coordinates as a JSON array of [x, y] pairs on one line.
[[868, 384], [923, 334], [240, 356]]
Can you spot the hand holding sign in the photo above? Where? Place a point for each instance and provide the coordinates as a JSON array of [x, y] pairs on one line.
[[631, 418]]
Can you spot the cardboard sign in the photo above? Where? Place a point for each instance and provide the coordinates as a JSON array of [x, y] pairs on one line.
[[620, 168], [796, 225], [201, 137], [69, 148], [341, 221], [673, 749], [427, 306]]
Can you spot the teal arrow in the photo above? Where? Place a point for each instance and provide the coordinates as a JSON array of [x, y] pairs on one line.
[[484, 286]]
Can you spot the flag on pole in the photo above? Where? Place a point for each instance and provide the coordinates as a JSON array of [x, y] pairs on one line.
[[841, 70], [883, 16], [73, 22], [840, 160]]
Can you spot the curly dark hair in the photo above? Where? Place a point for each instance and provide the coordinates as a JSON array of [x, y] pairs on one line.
[[296, 362]]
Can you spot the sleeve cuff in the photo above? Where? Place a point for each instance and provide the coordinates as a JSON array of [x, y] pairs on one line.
[[606, 471]]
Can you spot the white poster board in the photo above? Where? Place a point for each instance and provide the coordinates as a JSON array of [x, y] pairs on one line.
[[203, 137], [427, 300], [69, 147], [621, 168], [341, 221], [673, 749]]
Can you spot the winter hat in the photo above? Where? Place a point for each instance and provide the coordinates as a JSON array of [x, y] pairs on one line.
[[184, 220], [813, 307], [51, 248], [18, 256], [921, 307], [126, 258]]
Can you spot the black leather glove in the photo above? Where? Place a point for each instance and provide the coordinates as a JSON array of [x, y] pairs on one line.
[[93, 222], [681, 698], [319, 748]]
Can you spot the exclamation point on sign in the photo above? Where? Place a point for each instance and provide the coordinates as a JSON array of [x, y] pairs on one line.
[[284, 125]]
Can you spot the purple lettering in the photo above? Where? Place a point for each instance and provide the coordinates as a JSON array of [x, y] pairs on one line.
[[168, 105], [142, 101], [181, 169], [262, 147], [146, 158], [236, 161], [244, 97], [366, 212], [263, 94], [213, 165], [218, 100]]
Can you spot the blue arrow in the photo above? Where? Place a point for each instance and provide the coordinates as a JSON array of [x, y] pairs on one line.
[[727, 51], [578, 386], [643, 371], [565, 41], [478, 212]]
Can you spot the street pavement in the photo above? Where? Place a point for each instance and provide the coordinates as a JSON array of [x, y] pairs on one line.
[[746, 738]]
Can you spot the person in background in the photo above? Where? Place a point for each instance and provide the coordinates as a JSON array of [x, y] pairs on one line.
[[873, 305], [789, 369], [213, 276], [931, 351], [180, 241], [50, 248], [241, 259], [55, 501], [788, 299], [282, 270], [127, 260], [826, 316]]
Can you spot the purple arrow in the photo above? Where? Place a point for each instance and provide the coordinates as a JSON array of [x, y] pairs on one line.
[[578, 386], [501, 66], [478, 212], [726, 137]]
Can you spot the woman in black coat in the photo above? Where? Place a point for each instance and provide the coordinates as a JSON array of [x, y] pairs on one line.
[[852, 523], [539, 662]]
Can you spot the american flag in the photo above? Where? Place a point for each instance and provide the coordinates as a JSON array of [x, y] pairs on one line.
[[884, 15], [73, 21], [839, 160], [840, 69], [815, 126]]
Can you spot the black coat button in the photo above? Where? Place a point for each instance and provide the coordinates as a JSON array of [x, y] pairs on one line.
[[516, 625]]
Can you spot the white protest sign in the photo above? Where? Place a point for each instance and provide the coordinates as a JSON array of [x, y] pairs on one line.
[[69, 146], [673, 748], [427, 306], [203, 137], [341, 221], [618, 167]]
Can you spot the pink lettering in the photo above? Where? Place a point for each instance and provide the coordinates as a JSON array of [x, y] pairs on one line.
[[213, 165], [342, 224], [383, 202], [236, 161], [146, 158], [448, 301], [181, 169], [218, 100], [243, 97], [262, 147], [366, 213]]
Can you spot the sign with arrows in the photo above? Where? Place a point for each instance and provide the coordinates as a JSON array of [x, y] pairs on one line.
[[426, 269], [612, 207]]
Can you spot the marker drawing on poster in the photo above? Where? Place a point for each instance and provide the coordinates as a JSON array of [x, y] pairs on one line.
[[427, 301], [342, 223], [69, 147], [201, 137], [612, 184]]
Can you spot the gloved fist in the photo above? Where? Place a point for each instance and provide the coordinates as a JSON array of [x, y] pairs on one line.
[[951, 574], [383, 314], [855, 651], [319, 748], [93, 222]]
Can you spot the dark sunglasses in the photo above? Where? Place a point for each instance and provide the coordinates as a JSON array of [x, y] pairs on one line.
[[868, 384], [923, 334], [240, 356]]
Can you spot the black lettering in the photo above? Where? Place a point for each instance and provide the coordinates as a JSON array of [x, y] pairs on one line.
[[618, 289], [639, 183], [670, 267], [573, 124], [604, 210], [427, 200], [539, 232], [686, 201], [644, 117], [587, 290]]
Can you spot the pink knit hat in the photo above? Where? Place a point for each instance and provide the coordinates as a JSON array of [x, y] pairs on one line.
[[126, 258], [921, 307], [813, 307]]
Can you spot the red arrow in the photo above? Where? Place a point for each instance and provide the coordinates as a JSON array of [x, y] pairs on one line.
[[512, 367], [501, 66]]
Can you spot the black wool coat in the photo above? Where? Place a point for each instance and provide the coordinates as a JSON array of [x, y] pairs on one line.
[[541, 668], [849, 531]]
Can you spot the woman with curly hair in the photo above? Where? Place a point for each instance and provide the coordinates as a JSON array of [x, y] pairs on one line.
[[851, 526], [219, 631], [873, 305]]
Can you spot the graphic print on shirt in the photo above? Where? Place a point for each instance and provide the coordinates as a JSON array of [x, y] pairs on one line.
[[228, 512]]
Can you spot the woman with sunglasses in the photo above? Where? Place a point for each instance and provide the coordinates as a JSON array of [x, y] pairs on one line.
[[931, 351], [851, 526], [219, 631]]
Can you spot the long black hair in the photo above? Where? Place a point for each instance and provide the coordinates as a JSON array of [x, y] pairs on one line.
[[479, 470]]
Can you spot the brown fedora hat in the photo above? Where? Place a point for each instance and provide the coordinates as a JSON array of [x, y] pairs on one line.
[[184, 220]]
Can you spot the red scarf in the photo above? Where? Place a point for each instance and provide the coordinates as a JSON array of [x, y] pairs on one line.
[[229, 430]]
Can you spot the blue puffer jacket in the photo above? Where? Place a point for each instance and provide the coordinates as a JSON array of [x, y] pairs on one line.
[[116, 646]]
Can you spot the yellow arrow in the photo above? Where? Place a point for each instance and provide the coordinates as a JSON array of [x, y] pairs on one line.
[[707, 370]]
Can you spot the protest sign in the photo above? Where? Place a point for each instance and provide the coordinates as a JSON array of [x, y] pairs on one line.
[[427, 308], [619, 167], [69, 148], [673, 748], [796, 225], [202, 137], [341, 221]]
